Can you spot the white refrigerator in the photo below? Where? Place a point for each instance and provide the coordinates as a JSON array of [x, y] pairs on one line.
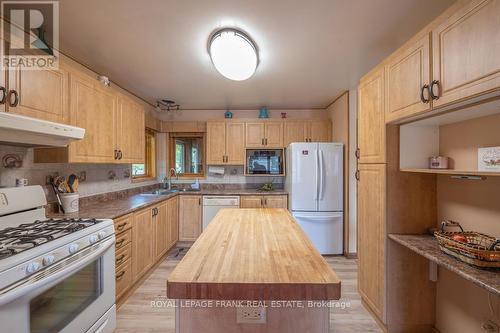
[[314, 181]]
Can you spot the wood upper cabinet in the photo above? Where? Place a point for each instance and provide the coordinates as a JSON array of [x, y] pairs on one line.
[[173, 221], [407, 81], [466, 49], [264, 134], [295, 131], [189, 217], [371, 231], [41, 94], [225, 143], [94, 108], [319, 131], [143, 242], [264, 201], [371, 123], [130, 127], [160, 216]]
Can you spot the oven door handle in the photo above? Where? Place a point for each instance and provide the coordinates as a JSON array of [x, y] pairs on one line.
[[32, 283]]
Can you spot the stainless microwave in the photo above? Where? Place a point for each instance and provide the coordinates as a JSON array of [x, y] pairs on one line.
[[264, 162]]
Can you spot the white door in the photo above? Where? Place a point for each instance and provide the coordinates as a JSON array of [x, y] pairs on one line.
[[324, 229], [331, 177], [303, 170]]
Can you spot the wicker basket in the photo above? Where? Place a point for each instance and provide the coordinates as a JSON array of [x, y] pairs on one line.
[[480, 250]]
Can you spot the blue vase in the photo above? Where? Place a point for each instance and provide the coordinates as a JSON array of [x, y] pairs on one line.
[[263, 113], [228, 114]]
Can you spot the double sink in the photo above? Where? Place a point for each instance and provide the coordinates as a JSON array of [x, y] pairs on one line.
[[167, 192]]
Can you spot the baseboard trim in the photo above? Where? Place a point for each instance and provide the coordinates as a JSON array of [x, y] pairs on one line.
[[352, 255], [374, 316]]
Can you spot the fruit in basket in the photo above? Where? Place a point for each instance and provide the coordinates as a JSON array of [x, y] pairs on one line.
[[460, 238]]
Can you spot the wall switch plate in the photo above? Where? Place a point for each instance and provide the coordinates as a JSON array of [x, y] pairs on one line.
[[250, 315]]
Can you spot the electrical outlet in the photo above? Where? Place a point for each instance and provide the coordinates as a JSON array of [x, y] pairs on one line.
[[250, 315], [490, 327]]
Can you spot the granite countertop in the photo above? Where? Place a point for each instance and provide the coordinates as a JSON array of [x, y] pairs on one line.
[[111, 209], [427, 246]]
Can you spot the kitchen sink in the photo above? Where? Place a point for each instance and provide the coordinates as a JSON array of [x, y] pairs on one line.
[[167, 192]]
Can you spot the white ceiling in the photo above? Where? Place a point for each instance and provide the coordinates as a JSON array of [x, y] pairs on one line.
[[310, 50]]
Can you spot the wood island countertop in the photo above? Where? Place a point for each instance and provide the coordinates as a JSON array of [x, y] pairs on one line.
[[253, 254]]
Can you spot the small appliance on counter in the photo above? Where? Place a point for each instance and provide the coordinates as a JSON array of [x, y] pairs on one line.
[[438, 162], [264, 162]]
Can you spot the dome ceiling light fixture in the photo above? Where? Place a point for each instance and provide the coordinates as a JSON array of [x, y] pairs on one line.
[[234, 54]]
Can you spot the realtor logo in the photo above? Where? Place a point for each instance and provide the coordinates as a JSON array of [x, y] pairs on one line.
[[30, 30]]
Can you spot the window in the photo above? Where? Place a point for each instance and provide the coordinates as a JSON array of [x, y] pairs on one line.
[[186, 152], [148, 169]]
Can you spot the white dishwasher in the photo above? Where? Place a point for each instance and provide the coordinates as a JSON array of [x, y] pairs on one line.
[[212, 204]]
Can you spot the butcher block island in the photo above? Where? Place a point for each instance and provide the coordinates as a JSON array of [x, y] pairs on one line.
[[253, 270]]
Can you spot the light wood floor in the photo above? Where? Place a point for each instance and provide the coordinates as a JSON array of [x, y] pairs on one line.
[[137, 315]]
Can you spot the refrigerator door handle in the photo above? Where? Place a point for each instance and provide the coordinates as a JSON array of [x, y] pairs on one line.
[[321, 175], [317, 176]]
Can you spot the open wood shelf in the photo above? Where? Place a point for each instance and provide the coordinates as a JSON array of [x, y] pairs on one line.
[[427, 246], [453, 172]]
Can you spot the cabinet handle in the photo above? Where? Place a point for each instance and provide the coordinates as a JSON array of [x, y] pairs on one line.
[[121, 226], [120, 259], [358, 153], [265, 202], [199, 201], [4, 95], [431, 90], [119, 243], [266, 141], [422, 97], [16, 98], [116, 154], [120, 154], [358, 175], [261, 202], [120, 275], [262, 141]]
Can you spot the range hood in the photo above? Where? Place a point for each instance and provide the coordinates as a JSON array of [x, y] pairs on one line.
[[30, 132]]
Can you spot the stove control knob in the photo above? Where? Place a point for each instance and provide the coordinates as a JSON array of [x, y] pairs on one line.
[[72, 248], [32, 267], [93, 239], [101, 234], [48, 260]]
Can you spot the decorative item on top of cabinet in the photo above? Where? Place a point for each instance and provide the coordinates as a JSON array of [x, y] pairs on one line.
[[371, 123], [407, 81], [456, 74], [371, 235], [264, 201], [189, 217], [264, 134], [225, 143]]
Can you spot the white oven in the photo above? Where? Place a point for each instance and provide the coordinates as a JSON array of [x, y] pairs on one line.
[[73, 295]]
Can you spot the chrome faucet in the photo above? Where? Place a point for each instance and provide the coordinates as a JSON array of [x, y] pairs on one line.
[[167, 181]]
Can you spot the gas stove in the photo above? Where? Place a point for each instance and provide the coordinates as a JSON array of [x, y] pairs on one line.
[[14, 240]]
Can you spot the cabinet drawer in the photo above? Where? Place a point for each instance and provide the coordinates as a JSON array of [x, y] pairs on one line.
[[123, 278], [123, 223], [122, 255], [123, 239]]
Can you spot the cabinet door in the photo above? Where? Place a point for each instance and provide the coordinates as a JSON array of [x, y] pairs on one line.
[[235, 143], [216, 142], [320, 131], [160, 222], [276, 201], [142, 242], [189, 217], [274, 134], [251, 201], [371, 222], [254, 135], [93, 108], [407, 76], [173, 221], [371, 124], [466, 49], [294, 131], [130, 131], [42, 94]]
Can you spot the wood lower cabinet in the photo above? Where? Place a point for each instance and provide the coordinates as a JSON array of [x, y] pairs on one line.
[[41, 94], [123, 254], [173, 221], [407, 81], [371, 123], [264, 201], [466, 48], [189, 217], [160, 223], [371, 236], [124, 278], [143, 242]]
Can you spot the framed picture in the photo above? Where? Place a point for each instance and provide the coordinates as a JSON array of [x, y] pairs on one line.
[[488, 159]]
